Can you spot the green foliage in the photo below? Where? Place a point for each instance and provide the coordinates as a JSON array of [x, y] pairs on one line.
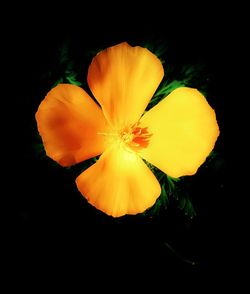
[[161, 203], [165, 88], [171, 194], [159, 48], [66, 67]]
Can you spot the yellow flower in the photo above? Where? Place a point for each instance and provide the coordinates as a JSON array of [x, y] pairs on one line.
[[176, 135]]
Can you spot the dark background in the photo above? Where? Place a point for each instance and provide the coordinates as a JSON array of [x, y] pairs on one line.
[[56, 233]]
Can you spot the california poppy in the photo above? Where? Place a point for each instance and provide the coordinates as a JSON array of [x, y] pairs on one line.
[[176, 135]]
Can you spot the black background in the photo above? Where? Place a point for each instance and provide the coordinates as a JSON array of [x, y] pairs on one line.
[[56, 233]]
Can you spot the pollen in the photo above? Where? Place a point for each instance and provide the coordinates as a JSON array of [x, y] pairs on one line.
[[133, 138]]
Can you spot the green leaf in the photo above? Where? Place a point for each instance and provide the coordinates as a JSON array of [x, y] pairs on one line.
[[71, 79], [59, 81], [165, 88], [164, 197]]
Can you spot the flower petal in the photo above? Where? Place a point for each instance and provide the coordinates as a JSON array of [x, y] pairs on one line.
[[123, 79], [69, 121], [119, 183], [184, 131]]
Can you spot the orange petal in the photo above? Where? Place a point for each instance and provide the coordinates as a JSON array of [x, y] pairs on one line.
[[123, 79], [119, 183], [69, 121], [184, 131]]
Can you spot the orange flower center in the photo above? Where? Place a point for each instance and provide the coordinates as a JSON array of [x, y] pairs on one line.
[[133, 137]]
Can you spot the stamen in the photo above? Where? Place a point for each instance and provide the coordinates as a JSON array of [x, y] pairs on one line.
[[133, 137]]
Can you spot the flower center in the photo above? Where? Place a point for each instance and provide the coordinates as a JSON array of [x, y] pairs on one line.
[[132, 137], [136, 137]]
